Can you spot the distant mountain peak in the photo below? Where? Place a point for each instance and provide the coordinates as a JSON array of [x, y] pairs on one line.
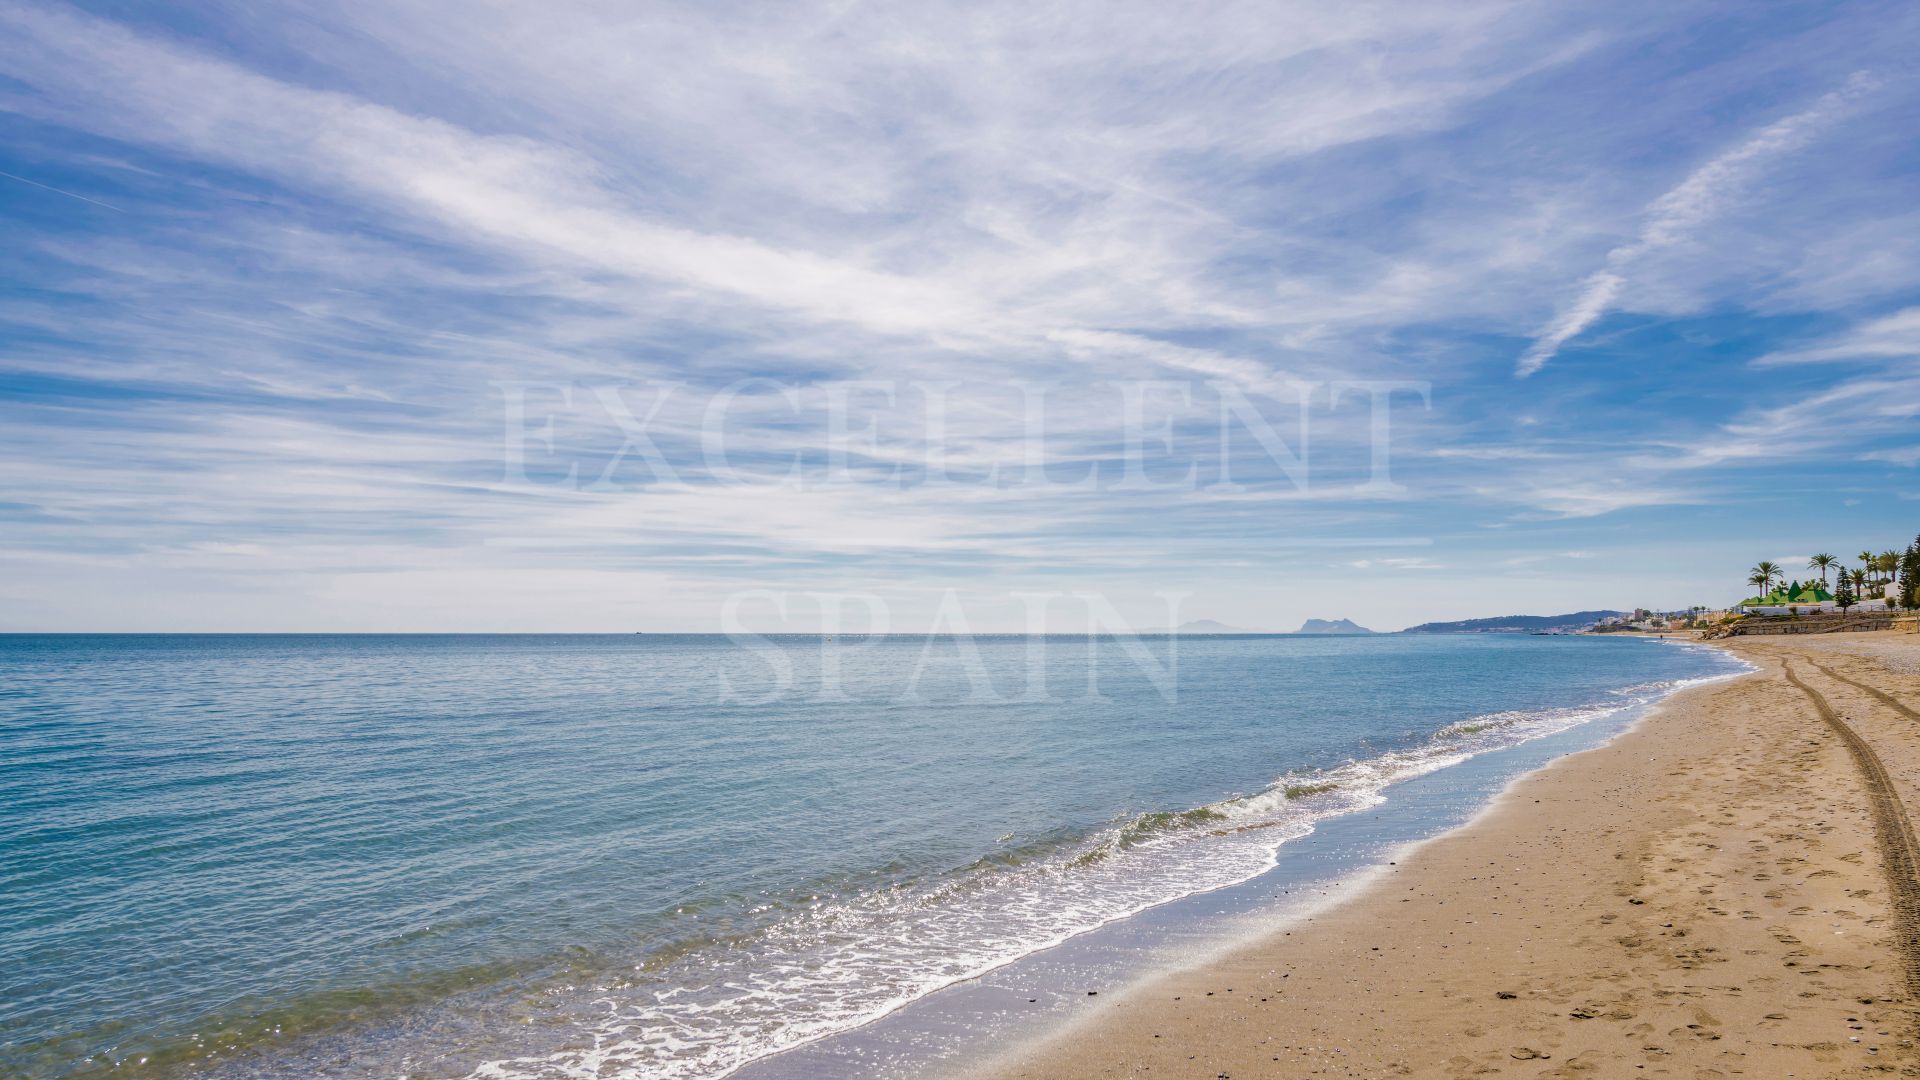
[[1332, 626]]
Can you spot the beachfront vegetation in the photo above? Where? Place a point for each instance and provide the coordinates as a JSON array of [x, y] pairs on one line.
[[1910, 575], [1889, 577], [1822, 562]]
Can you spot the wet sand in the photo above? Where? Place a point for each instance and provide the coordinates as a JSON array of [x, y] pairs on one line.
[[1728, 889]]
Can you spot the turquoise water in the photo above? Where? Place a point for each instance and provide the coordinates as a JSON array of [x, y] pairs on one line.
[[663, 856]]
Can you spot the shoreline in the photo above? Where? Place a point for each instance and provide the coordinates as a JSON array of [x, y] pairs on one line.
[[1046, 991], [1690, 932], [1365, 880]]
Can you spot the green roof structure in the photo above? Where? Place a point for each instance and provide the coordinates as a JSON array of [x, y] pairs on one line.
[[1792, 594]]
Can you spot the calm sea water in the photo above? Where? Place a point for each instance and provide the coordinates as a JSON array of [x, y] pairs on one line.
[[662, 856]]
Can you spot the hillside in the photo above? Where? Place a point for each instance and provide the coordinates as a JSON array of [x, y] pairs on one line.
[[1513, 623]]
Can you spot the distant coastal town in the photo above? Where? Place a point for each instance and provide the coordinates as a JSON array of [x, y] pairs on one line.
[[1870, 591], [1871, 594]]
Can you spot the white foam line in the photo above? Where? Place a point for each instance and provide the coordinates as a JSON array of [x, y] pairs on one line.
[[696, 1040]]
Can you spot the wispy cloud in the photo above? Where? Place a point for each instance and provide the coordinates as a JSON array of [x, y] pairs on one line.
[[1673, 217], [1569, 496], [1395, 564], [1903, 456], [273, 383], [1890, 337]]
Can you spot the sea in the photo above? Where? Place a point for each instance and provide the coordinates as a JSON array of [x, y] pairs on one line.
[[692, 856]]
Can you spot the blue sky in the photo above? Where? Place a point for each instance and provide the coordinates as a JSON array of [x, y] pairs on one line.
[[275, 273]]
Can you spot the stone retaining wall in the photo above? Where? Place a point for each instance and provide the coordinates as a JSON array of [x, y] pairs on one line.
[[1809, 624]]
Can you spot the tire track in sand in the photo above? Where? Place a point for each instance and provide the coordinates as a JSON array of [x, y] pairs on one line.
[[1881, 696], [1899, 854]]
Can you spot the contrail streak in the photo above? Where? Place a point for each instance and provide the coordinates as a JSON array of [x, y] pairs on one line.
[[59, 191]]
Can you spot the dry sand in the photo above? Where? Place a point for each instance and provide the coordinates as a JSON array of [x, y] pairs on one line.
[[1728, 889]]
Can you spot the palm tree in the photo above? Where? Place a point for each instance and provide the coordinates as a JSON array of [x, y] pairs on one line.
[[1888, 562], [1821, 563], [1766, 570], [1859, 579], [1759, 581], [1866, 561]]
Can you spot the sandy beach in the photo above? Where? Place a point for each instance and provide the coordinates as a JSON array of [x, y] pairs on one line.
[[1728, 889]]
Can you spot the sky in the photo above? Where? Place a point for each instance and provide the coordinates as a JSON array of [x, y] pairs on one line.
[[422, 316]]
